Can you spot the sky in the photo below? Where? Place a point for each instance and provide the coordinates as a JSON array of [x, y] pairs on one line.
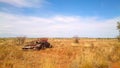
[[59, 18]]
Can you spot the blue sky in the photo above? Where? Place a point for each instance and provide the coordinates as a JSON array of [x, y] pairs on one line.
[[59, 18]]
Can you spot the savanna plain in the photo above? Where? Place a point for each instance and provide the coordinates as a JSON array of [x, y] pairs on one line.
[[66, 53]]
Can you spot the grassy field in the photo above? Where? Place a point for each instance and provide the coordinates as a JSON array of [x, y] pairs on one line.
[[88, 53]]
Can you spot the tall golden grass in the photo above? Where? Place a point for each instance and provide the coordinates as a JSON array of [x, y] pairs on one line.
[[88, 53]]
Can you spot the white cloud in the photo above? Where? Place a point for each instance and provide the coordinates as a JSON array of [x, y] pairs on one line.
[[24, 3], [57, 26]]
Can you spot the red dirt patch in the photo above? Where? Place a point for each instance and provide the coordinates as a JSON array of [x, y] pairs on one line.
[[115, 65]]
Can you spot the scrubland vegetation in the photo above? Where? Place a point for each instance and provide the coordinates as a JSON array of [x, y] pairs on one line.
[[88, 53]]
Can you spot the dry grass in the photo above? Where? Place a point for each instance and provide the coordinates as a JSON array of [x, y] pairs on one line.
[[88, 53]]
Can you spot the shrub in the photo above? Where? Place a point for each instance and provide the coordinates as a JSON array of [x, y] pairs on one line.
[[76, 39], [20, 40], [118, 38]]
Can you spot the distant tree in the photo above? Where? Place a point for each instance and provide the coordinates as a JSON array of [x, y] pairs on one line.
[[20, 40], [76, 39], [118, 27]]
